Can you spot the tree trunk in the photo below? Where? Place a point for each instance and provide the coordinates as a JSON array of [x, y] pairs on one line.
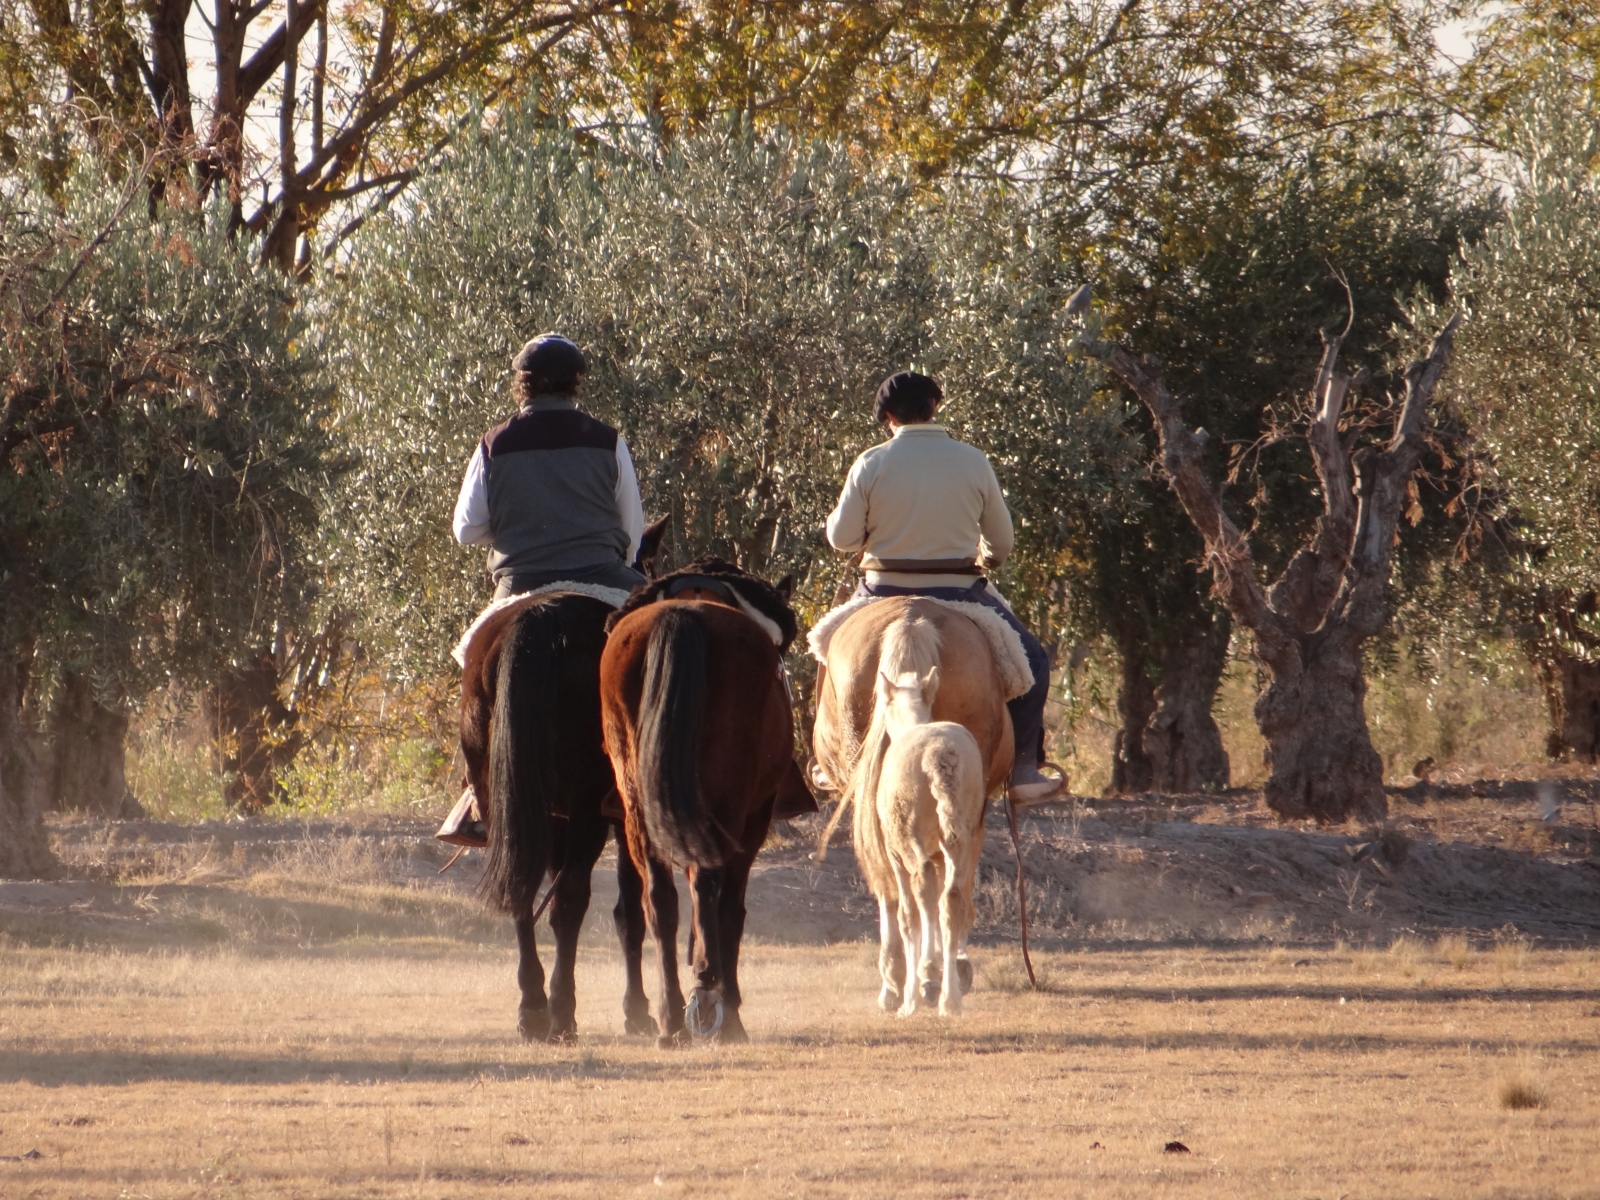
[[251, 732], [1168, 740], [1315, 725], [89, 755], [1131, 768], [1572, 689], [1310, 627], [1182, 738], [24, 845]]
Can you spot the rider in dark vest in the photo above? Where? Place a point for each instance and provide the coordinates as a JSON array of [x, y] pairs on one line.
[[553, 494], [552, 491], [928, 516]]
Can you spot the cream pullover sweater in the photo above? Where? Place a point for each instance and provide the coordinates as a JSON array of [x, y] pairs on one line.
[[922, 497]]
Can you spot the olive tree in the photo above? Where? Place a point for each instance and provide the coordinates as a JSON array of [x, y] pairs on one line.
[[1528, 376], [163, 459], [739, 296]]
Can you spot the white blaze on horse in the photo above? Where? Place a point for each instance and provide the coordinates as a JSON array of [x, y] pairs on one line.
[[911, 714]]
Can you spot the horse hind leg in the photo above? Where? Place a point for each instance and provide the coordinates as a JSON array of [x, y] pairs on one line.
[[567, 910], [661, 912], [706, 1011], [910, 937], [891, 954], [533, 1014], [628, 917], [928, 890], [730, 928], [955, 918]]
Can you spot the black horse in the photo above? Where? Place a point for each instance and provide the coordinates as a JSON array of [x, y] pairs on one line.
[[530, 734]]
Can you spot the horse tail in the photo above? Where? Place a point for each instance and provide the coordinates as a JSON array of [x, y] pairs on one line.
[[953, 766], [524, 754], [671, 718]]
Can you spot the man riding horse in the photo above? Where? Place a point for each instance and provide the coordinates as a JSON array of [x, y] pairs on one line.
[[927, 514], [553, 495]]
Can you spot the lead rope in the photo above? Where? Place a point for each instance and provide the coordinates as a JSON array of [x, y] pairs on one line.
[[1022, 891], [545, 903]]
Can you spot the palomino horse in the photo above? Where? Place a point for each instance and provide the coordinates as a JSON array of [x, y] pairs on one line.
[[930, 802], [530, 734], [850, 746], [699, 726]]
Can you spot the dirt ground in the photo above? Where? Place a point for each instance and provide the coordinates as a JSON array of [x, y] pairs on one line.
[[275, 1008]]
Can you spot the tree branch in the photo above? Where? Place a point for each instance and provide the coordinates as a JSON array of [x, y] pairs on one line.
[[1382, 482], [1233, 568]]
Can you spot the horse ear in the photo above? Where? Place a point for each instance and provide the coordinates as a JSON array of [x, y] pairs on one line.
[[650, 546], [785, 587], [930, 681]]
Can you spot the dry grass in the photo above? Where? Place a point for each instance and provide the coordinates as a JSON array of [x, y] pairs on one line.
[[1518, 1089], [337, 1035]]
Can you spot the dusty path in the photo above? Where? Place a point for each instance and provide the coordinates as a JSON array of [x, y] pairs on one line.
[[270, 1009]]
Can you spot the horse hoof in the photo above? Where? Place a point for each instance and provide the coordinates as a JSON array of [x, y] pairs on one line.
[[705, 1013], [909, 1008], [638, 1025], [534, 1024], [964, 974], [673, 1041], [930, 990], [732, 1032], [565, 1033], [889, 998]]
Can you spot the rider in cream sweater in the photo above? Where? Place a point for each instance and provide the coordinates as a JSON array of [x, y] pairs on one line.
[[927, 513]]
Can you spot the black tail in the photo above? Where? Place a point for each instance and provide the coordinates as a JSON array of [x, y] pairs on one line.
[[671, 717], [523, 759]]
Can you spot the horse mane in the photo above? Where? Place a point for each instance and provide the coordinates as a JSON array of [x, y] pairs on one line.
[[907, 646], [758, 593]]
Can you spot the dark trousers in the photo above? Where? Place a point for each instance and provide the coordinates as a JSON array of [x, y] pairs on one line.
[[612, 575], [1027, 710]]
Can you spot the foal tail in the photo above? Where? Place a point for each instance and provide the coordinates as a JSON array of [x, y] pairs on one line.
[[523, 759], [671, 718], [953, 767]]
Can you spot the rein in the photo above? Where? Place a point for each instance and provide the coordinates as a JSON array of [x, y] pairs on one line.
[[1022, 891], [545, 903]]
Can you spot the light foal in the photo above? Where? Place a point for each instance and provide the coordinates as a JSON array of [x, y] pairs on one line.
[[930, 807], [918, 786]]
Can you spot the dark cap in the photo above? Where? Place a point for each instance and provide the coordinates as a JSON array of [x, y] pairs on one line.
[[906, 396], [551, 362]]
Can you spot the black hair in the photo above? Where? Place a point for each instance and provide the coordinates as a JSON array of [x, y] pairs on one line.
[[907, 397]]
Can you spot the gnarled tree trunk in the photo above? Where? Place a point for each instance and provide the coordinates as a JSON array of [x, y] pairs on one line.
[[1168, 740], [1183, 741], [252, 731], [1315, 725], [1572, 690], [1131, 768], [24, 844], [89, 754], [1311, 626]]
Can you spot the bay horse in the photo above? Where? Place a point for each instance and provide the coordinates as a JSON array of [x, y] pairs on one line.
[[530, 735], [699, 725], [850, 746]]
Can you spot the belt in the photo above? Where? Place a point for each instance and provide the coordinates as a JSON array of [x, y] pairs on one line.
[[929, 566]]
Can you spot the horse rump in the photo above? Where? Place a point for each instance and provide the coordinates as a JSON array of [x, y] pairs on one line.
[[524, 752], [671, 721]]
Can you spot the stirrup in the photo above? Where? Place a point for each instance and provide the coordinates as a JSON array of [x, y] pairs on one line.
[[1055, 793], [464, 827]]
